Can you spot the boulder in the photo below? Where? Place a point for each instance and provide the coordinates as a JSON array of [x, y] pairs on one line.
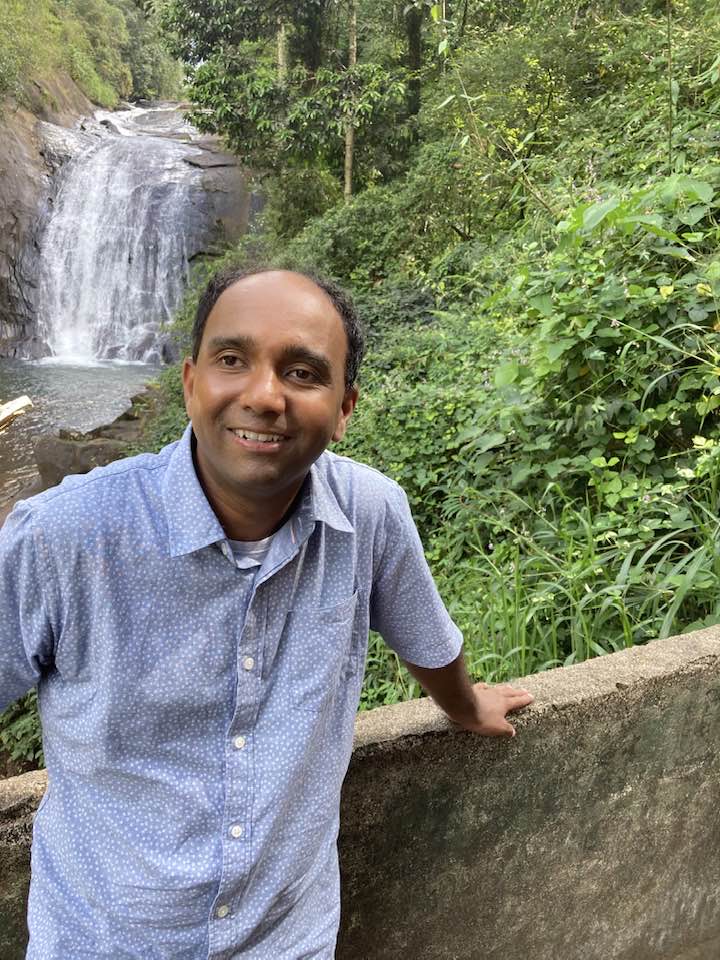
[[57, 457]]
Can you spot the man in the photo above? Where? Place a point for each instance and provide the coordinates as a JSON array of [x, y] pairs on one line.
[[197, 622]]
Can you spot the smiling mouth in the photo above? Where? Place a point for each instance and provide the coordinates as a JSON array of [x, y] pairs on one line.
[[259, 437]]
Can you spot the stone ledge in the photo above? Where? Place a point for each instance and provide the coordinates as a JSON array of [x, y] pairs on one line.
[[593, 835], [615, 674]]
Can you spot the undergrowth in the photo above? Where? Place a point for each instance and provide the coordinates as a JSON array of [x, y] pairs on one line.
[[542, 294]]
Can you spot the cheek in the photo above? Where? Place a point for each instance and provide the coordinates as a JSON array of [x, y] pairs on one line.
[[209, 398]]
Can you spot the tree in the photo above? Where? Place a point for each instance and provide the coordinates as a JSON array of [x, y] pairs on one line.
[[350, 127], [285, 83]]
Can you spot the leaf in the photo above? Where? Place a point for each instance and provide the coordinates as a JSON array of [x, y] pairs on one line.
[[446, 101], [682, 186], [651, 222], [680, 253], [487, 441], [557, 349], [556, 467], [520, 473], [597, 212], [507, 373], [542, 303], [694, 214]]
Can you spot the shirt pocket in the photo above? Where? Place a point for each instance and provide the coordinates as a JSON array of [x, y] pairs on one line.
[[318, 653]]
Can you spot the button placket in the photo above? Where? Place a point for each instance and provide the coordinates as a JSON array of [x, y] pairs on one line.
[[236, 827]]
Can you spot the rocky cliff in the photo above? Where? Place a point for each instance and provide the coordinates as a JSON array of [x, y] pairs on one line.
[[26, 188]]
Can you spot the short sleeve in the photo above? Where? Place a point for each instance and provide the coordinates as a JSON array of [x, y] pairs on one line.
[[405, 606], [26, 636]]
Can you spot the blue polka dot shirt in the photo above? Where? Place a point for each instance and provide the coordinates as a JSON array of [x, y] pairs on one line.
[[197, 715]]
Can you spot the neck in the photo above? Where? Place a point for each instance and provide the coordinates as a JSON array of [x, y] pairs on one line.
[[244, 521], [244, 518]]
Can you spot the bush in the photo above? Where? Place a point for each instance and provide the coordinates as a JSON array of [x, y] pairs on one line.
[[542, 291], [20, 733], [109, 47]]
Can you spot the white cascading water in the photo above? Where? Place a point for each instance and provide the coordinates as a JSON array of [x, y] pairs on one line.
[[114, 253]]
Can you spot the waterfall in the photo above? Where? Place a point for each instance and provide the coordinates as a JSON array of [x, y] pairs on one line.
[[129, 214]]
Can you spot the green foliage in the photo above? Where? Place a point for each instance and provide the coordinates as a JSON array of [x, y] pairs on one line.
[[20, 734], [111, 48], [279, 83], [272, 122], [155, 74], [542, 293], [359, 242], [26, 40], [540, 277], [295, 195]]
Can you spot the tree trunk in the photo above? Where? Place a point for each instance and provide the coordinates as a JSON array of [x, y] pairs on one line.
[[350, 127], [282, 51], [309, 29], [413, 32], [463, 21]]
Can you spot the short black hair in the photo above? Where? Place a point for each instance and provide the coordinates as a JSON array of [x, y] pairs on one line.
[[341, 300]]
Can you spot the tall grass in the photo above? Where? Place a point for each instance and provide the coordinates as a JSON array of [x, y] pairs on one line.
[[564, 591]]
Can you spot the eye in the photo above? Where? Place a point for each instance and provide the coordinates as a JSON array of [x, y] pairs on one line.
[[303, 375], [230, 360]]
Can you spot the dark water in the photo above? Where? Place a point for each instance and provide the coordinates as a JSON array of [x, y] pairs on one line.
[[74, 397]]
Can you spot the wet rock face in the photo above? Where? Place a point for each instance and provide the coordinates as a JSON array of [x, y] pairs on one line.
[[22, 183], [26, 189]]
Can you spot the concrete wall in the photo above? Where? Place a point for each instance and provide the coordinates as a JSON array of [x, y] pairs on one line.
[[593, 835]]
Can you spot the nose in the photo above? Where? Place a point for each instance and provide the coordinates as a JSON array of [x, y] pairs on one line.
[[263, 392]]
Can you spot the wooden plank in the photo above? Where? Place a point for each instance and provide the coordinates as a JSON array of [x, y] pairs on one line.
[[12, 409]]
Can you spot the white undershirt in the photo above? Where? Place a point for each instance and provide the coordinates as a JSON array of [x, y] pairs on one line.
[[250, 554]]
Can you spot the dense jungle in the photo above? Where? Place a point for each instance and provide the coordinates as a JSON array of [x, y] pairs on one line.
[[524, 198]]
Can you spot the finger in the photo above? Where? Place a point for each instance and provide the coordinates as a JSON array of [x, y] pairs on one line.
[[500, 729], [520, 700], [507, 690], [512, 693]]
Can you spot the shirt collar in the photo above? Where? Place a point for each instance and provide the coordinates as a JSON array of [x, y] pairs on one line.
[[192, 523], [318, 504]]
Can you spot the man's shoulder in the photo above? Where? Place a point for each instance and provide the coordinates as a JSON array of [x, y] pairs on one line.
[[358, 483], [123, 482]]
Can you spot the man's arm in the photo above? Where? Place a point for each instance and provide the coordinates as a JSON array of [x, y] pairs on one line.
[[478, 708], [26, 636]]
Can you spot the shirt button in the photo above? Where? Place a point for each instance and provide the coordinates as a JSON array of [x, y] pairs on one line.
[[223, 910], [236, 831], [248, 663], [239, 743]]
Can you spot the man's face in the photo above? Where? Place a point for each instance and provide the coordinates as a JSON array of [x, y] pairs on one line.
[[267, 392]]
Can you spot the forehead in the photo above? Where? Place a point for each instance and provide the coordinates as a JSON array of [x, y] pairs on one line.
[[275, 307]]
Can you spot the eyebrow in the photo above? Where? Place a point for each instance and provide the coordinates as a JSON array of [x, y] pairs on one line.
[[290, 353]]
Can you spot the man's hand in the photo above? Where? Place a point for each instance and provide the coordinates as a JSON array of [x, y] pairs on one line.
[[491, 705], [479, 708]]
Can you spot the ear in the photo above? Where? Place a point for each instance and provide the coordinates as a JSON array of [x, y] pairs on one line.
[[188, 379], [346, 411]]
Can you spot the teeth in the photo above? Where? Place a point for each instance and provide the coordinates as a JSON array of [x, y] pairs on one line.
[[262, 437]]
